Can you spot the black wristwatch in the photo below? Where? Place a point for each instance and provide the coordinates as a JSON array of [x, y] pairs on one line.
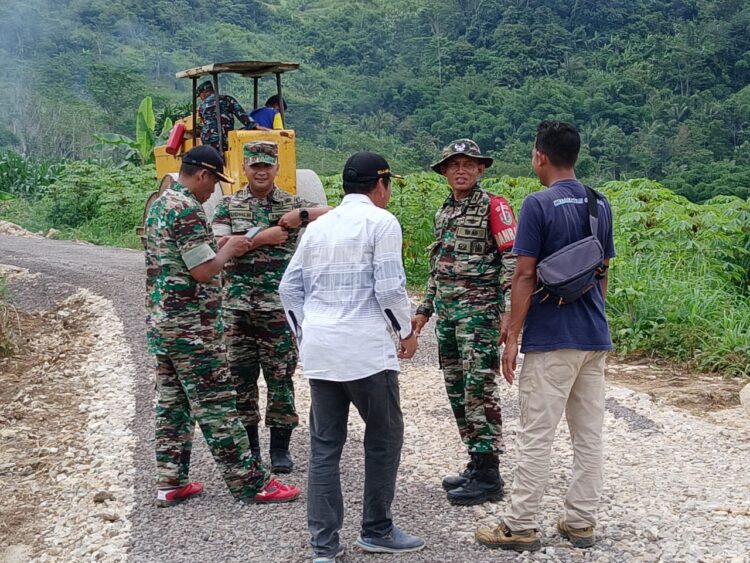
[[304, 214]]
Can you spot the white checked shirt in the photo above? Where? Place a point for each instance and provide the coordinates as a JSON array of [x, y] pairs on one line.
[[344, 292]]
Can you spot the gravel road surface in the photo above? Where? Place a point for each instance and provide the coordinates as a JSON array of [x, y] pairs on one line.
[[676, 486]]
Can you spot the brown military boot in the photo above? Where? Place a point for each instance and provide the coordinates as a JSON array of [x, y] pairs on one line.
[[579, 537], [503, 537]]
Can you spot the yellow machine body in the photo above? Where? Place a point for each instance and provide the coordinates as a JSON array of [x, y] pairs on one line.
[[284, 138]]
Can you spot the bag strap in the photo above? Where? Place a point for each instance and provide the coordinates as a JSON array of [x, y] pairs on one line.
[[593, 198]]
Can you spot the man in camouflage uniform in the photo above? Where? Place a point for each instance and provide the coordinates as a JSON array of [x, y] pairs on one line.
[[258, 335], [230, 108], [468, 287], [185, 333]]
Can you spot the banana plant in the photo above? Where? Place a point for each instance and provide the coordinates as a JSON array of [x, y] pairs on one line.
[[141, 149]]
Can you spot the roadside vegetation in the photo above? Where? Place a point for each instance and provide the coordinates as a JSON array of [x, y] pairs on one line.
[[679, 285], [95, 201]]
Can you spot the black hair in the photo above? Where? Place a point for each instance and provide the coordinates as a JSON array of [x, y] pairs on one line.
[[190, 169], [351, 187], [560, 141], [274, 101]]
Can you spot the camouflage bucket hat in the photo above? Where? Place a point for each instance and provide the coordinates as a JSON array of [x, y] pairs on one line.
[[261, 152], [465, 147]]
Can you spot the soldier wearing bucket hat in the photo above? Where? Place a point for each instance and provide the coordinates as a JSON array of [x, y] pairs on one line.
[[258, 335], [468, 290]]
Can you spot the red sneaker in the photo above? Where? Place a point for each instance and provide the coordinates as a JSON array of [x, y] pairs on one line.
[[170, 497], [275, 492]]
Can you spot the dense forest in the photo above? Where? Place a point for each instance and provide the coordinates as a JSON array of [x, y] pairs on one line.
[[659, 88]]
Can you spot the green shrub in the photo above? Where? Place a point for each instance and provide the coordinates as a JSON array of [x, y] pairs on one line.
[[24, 177], [99, 201], [90, 201]]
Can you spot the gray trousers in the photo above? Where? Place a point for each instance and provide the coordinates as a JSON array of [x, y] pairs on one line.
[[378, 402]]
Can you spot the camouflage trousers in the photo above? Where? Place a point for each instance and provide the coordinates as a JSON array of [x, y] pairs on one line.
[[469, 359], [255, 340], [193, 385]]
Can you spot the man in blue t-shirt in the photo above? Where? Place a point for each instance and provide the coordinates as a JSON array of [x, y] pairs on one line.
[[269, 116], [565, 349]]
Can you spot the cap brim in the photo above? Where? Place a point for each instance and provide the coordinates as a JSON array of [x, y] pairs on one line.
[[224, 177], [437, 167]]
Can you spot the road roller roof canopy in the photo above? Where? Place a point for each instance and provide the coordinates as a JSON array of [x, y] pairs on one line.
[[249, 69]]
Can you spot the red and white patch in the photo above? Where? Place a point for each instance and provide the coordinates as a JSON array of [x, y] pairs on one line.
[[502, 223]]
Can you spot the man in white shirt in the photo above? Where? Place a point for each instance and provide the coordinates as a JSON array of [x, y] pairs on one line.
[[344, 294]]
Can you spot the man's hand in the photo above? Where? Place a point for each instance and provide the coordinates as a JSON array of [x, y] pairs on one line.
[[222, 241], [237, 245], [408, 347], [417, 324], [504, 325], [291, 220], [272, 236], [510, 355]]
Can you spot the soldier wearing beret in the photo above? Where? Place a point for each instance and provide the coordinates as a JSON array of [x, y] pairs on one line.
[[258, 335], [185, 333], [471, 269]]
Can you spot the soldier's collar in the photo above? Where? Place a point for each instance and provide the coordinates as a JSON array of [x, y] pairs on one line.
[[183, 190], [474, 196], [275, 195]]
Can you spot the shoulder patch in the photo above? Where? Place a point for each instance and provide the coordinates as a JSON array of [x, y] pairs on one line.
[[502, 223]]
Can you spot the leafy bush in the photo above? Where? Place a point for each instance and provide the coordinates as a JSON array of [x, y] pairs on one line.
[[24, 177], [678, 286], [102, 203], [88, 201]]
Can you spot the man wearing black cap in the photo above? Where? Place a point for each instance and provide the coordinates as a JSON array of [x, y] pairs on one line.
[[230, 108], [344, 294], [471, 269], [185, 333]]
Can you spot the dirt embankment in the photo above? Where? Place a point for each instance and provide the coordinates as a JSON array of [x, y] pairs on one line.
[[65, 495]]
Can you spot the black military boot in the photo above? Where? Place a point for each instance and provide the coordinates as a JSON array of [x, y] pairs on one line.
[[484, 485], [281, 460], [252, 435], [455, 481]]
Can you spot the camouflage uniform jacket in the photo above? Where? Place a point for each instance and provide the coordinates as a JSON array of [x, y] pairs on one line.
[[177, 240], [229, 109], [467, 271], [251, 282]]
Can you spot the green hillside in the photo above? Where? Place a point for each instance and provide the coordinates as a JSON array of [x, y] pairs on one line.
[[657, 87]]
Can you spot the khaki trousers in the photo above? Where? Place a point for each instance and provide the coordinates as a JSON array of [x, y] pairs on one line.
[[550, 382]]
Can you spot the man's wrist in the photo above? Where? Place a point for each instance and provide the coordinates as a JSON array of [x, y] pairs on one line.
[[304, 216], [425, 311]]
